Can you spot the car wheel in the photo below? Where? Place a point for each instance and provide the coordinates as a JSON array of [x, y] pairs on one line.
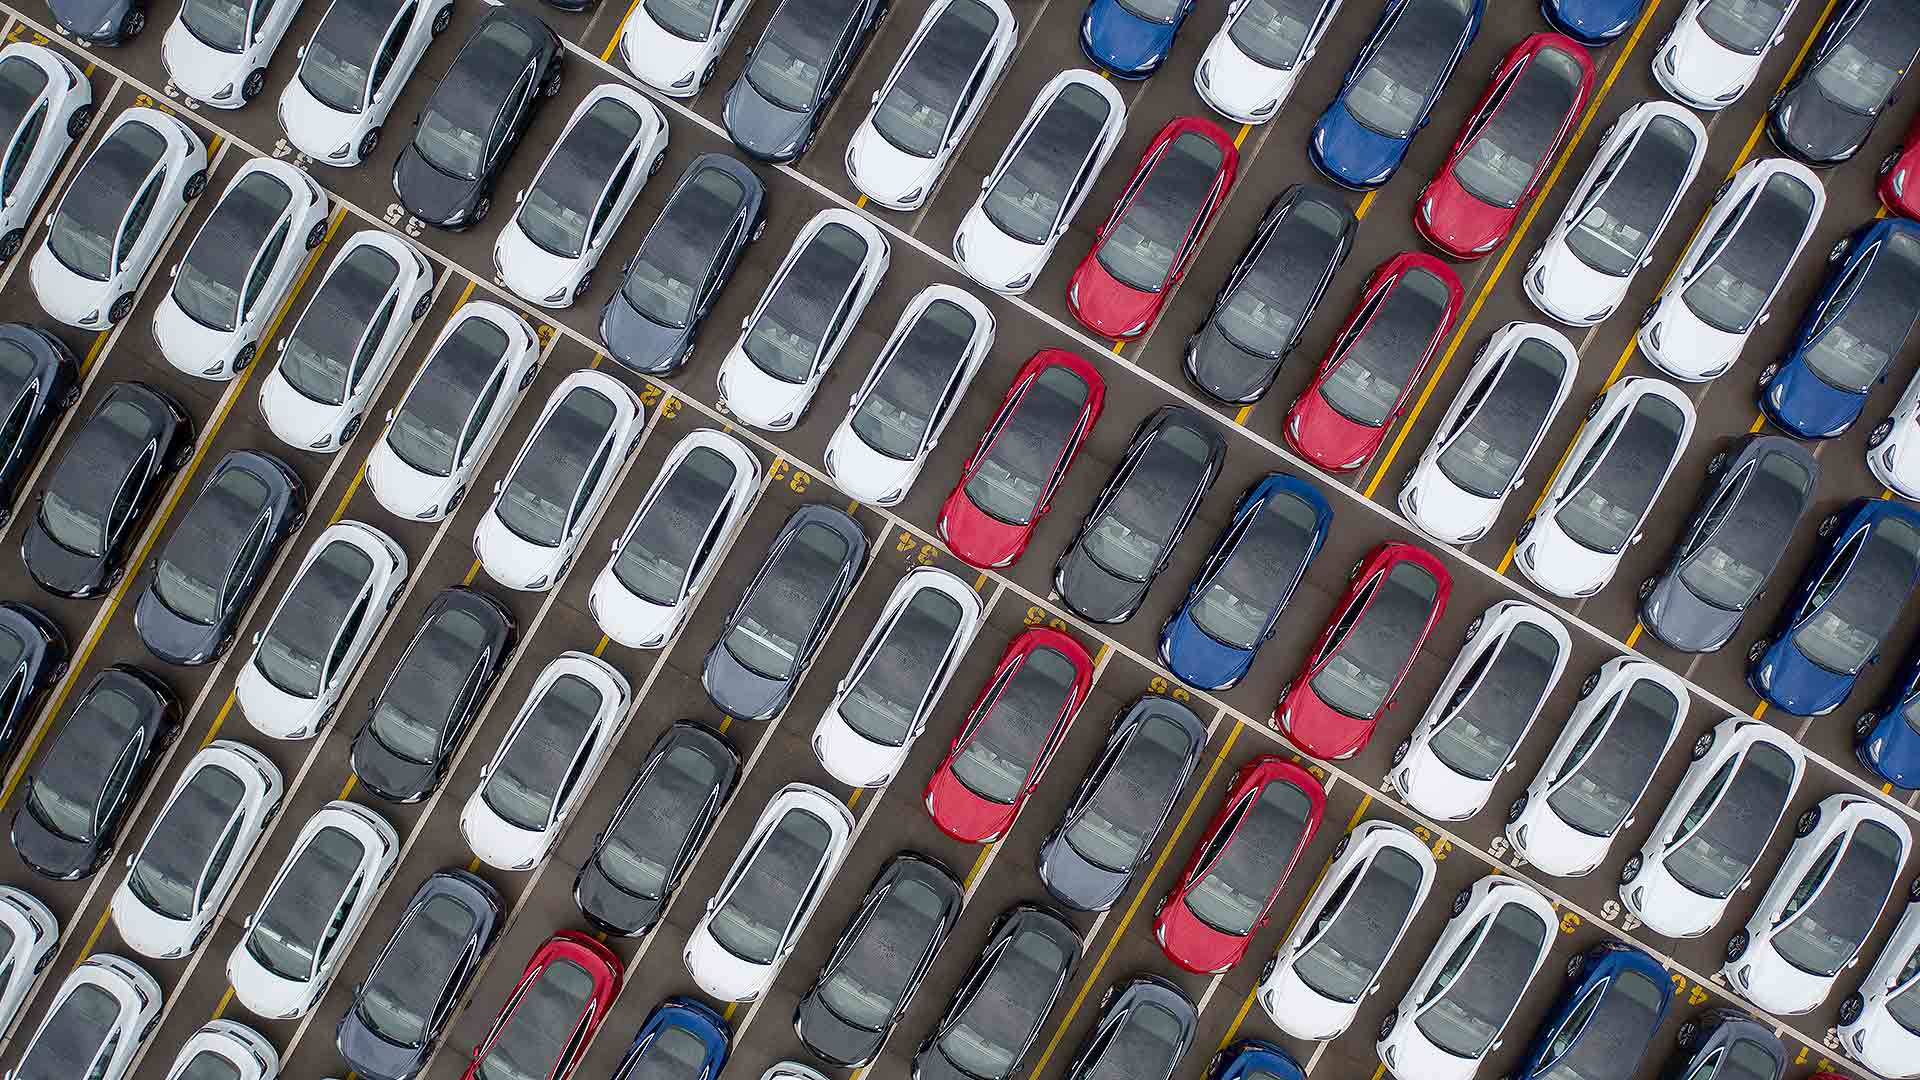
[[1736, 947], [1717, 464], [759, 230], [707, 75], [1631, 869], [1758, 650], [480, 209], [1724, 186], [1340, 848], [347, 433], [1401, 751], [1913, 890], [1863, 725], [1850, 1008], [1593, 410], [181, 455], [1520, 534], [1687, 1036], [112, 580], [196, 184], [1702, 744], [134, 22], [1516, 808], [421, 307], [1589, 684], [580, 290], [1474, 626], [1828, 524], [1766, 376], [1838, 251], [551, 87], [255, 82], [368, 141], [78, 123], [11, 243], [6, 516], [1576, 964], [1647, 315], [1805, 824], [1874, 438], [244, 358], [1647, 587], [659, 159], [527, 380], [71, 398], [1387, 1022], [122, 307], [1460, 901], [442, 19], [458, 494], [316, 234]]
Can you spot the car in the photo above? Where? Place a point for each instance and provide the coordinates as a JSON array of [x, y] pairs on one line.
[[114, 217], [96, 1024], [777, 626], [805, 55], [1254, 1059], [1895, 170], [769, 894], [642, 855], [1715, 48], [1719, 291], [1483, 709], [913, 389], [1007, 484], [1388, 92], [352, 71], [335, 361], [675, 48], [33, 657], [1601, 495], [1206, 921], [115, 22], [1495, 941], [466, 132], [39, 382], [919, 637], [1824, 901], [29, 938], [201, 842], [1369, 371], [453, 412], [678, 535], [1608, 1011], [1263, 307], [1257, 56], [1876, 1021], [1592, 23], [995, 1016], [683, 1038], [1145, 1026], [1890, 456], [876, 967], [216, 52], [420, 976], [1234, 603], [548, 1021], [1839, 615], [1827, 111], [1123, 803], [668, 285], [1028, 201], [46, 105], [1131, 40], [1726, 1042], [791, 1070], [938, 87], [1646, 161], [1347, 931], [1886, 738], [555, 748], [1394, 598], [225, 1048], [318, 902], [1129, 535], [1145, 246], [1480, 450], [804, 318], [1584, 794], [1008, 737], [545, 506]]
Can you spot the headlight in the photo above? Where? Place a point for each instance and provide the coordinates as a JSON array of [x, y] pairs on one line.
[[457, 217], [341, 151], [1021, 282], [322, 443], [1136, 327], [1356, 462], [1873, 750], [1489, 245], [1887, 457], [215, 369], [915, 194], [1653, 335], [1426, 210], [1672, 61], [1319, 140], [1411, 496], [540, 582], [1764, 676], [556, 296], [959, 247], [1381, 176], [1520, 836], [107, 26], [1267, 109], [1778, 394], [1741, 975], [91, 316], [1733, 93], [1204, 75], [685, 80], [1899, 182], [1603, 312], [785, 419], [1539, 278], [1073, 295]]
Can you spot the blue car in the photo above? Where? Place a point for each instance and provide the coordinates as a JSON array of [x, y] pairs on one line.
[[1855, 326], [1131, 38], [1592, 23], [1848, 598], [1255, 1059], [682, 1037], [1886, 738], [1235, 600], [1606, 1015], [1388, 94]]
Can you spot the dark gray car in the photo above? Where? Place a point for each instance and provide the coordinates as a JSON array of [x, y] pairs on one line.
[[802, 59], [1827, 112], [1726, 1044], [38, 381], [1145, 1027], [33, 657], [996, 1012]]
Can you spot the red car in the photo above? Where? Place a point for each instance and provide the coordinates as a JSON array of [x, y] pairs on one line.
[[1899, 186], [548, 1021], [1364, 381], [1007, 486], [1155, 227], [1501, 154], [1004, 745], [1393, 599], [1226, 893]]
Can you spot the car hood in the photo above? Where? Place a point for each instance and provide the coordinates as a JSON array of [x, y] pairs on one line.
[[963, 815], [1776, 986], [1092, 592], [1797, 684], [832, 1038], [1319, 729], [628, 619], [930, 1064], [1899, 748], [1224, 370], [1302, 1011], [758, 398], [637, 342], [1199, 660], [1444, 510], [1571, 291], [511, 561], [1555, 563], [1074, 881], [1104, 304], [498, 844], [56, 568], [429, 194], [607, 906], [760, 127], [1808, 406], [739, 691], [295, 418], [885, 172], [403, 490], [1705, 69], [372, 1057], [1348, 151], [46, 851], [1415, 1056], [1552, 845], [720, 973], [1818, 129], [979, 538], [201, 72], [1888, 1047], [1593, 22], [850, 757], [1194, 945], [1684, 621], [63, 294], [271, 710], [263, 992], [531, 270], [659, 58], [1238, 84], [146, 932], [1437, 791], [1117, 39], [1460, 224], [184, 343], [1326, 438], [994, 258], [86, 17], [318, 125], [865, 473], [386, 773], [1677, 912], [170, 637]]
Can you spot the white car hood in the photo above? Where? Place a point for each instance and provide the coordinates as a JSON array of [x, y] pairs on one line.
[[1703, 70], [1663, 897], [850, 757], [186, 345], [631, 620], [498, 844], [530, 270], [272, 711], [65, 295], [866, 474], [1415, 1058], [263, 992], [1689, 349], [660, 59], [1561, 566], [886, 173], [147, 932], [1776, 986], [1445, 511], [1238, 85], [1552, 845], [1301, 1011], [405, 491], [315, 128], [1570, 290], [198, 70], [1437, 791], [293, 417], [1889, 1049], [756, 397], [719, 973], [510, 560], [992, 257]]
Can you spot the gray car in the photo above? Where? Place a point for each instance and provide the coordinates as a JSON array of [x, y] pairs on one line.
[[1828, 111], [801, 61], [1726, 1044], [997, 1010], [1145, 1027]]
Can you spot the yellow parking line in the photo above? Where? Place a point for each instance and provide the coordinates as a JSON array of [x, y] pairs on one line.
[[1241, 136], [1366, 204], [601, 646], [1379, 1070], [346, 789], [93, 351], [607, 53], [1760, 710], [1634, 637], [1886, 788], [852, 505], [726, 722], [861, 202], [980, 582], [1118, 345], [1758, 423], [87, 949], [472, 572], [979, 861], [1241, 416], [226, 998], [600, 936], [1359, 812], [1886, 493], [853, 799], [473, 865], [727, 1013], [213, 730]]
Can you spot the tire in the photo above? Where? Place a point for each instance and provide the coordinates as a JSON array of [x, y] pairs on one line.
[[122, 307], [707, 75], [1850, 1008], [1874, 437], [1516, 808], [1702, 745], [1828, 524], [659, 159], [1863, 725], [1589, 684], [244, 359], [580, 290], [1340, 848], [196, 184], [458, 494], [1688, 1035], [1759, 650], [421, 307], [1913, 890], [71, 398], [1593, 410], [6, 516], [1631, 869], [131, 25], [1388, 1021], [1717, 464], [442, 19], [253, 84], [1737, 946], [112, 580], [1887, 163], [316, 235], [1804, 825], [1766, 376], [347, 433], [11, 243], [1474, 626], [181, 455], [1576, 964], [1724, 186], [1460, 901], [78, 123], [551, 87], [1401, 751], [1838, 251], [1647, 587], [526, 380], [759, 230], [368, 142], [480, 210]]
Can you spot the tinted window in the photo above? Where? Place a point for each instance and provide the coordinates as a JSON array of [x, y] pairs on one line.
[[339, 60], [1367, 662], [1484, 453], [870, 980], [412, 713], [21, 82], [1390, 93], [219, 24], [919, 107], [1144, 244], [1131, 800], [68, 783], [541, 492], [294, 655], [301, 909], [1617, 1031], [1732, 563], [643, 846], [1843, 635], [788, 602], [1264, 311], [1026, 452], [896, 413], [772, 888], [525, 784], [1236, 886], [403, 990], [1351, 940], [1372, 373], [1503, 157], [892, 688], [789, 333], [1619, 218], [1728, 293], [1877, 312], [529, 1044], [453, 131], [1865, 66], [1043, 174], [1147, 1042], [1241, 598], [1604, 782], [194, 566], [224, 252], [1745, 26], [167, 875], [321, 350], [1728, 826], [789, 64], [993, 1028], [667, 274], [1003, 749], [1487, 717], [80, 497], [90, 214], [1822, 936], [1274, 32], [1131, 534], [690, 20], [1603, 512], [72, 1037], [661, 548], [1474, 1005], [426, 432], [559, 208]]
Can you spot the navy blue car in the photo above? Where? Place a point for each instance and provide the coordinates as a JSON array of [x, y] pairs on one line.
[[681, 1038], [1592, 23], [1727, 1044], [1886, 738], [1255, 1059], [1131, 38], [1388, 93], [1607, 1014]]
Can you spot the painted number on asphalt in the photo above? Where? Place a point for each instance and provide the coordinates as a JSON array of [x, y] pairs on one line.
[[797, 480], [910, 545], [398, 217], [284, 150], [1696, 994], [1038, 616], [1160, 685], [650, 393]]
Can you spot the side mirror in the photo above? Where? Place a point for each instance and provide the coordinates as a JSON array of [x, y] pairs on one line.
[[257, 635], [301, 53], [389, 416], [520, 196], [281, 345], [712, 903], [1636, 538], [131, 859], [875, 99], [986, 182], [499, 486], [1627, 824], [1497, 1044], [173, 271], [1646, 261], [1764, 316], [1508, 767], [1747, 884], [616, 545]]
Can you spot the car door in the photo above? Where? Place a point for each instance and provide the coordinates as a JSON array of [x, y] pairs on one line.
[[352, 629], [1348, 619], [399, 35], [1575, 1023], [136, 242], [127, 499], [507, 122], [372, 344], [589, 490], [21, 153], [120, 782], [615, 198], [482, 422], [324, 955], [266, 268], [240, 573]]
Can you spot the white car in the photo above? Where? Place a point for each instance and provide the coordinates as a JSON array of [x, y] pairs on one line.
[[1892, 457], [1647, 160], [614, 142], [29, 937], [928, 103], [914, 387], [1716, 47], [1607, 484], [327, 619], [228, 1050], [336, 359], [51, 106], [1498, 937], [1719, 291], [352, 71], [96, 1023], [1029, 199], [546, 504], [1479, 453], [675, 47], [791, 1070], [239, 269], [1714, 829], [1347, 931], [1514, 655], [98, 249], [675, 540], [803, 319], [564, 734], [740, 941], [1877, 1024], [453, 412], [1584, 794], [897, 677], [217, 51], [179, 881], [316, 906], [1255, 58]]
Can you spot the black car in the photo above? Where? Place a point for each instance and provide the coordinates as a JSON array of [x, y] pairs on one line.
[[33, 657], [1145, 1027], [877, 964], [772, 633], [38, 379], [69, 820], [996, 1013], [639, 859], [1726, 1044], [686, 258], [433, 696], [477, 114], [100, 22], [97, 498], [1129, 535], [803, 57], [1827, 112], [420, 977], [217, 556], [1122, 804], [1263, 308]]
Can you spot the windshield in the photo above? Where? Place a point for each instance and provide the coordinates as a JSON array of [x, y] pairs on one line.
[[322, 353], [895, 414], [1744, 26], [917, 110], [786, 605], [691, 20], [1258, 844], [199, 556], [1745, 267], [893, 687], [1132, 532], [771, 889], [873, 978], [1499, 163], [1860, 74], [1388, 349], [1026, 201], [1620, 476], [530, 1044], [89, 479], [1351, 939], [998, 1021], [1378, 643], [1273, 32], [303, 909], [537, 766], [1258, 575], [72, 1036], [1390, 93], [469, 102], [657, 557], [1132, 798], [1732, 562], [1005, 745], [807, 305], [1491, 710], [542, 497], [573, 183], [1632, 199], [219, 24], [1846, 631], [1615, 1031], [338, 61], [1869, 319], [1824, 930], [1263, 312], [670, 269], [303, 637], [1159, 223], [1025, 455], [421, 697], [788, 65], [1482, 982], [645, 843], [223, 257], [426, 434], [400, 994], [1726, 828], [1494, 436], [1613, 761], [96, 205], [166, 875]]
